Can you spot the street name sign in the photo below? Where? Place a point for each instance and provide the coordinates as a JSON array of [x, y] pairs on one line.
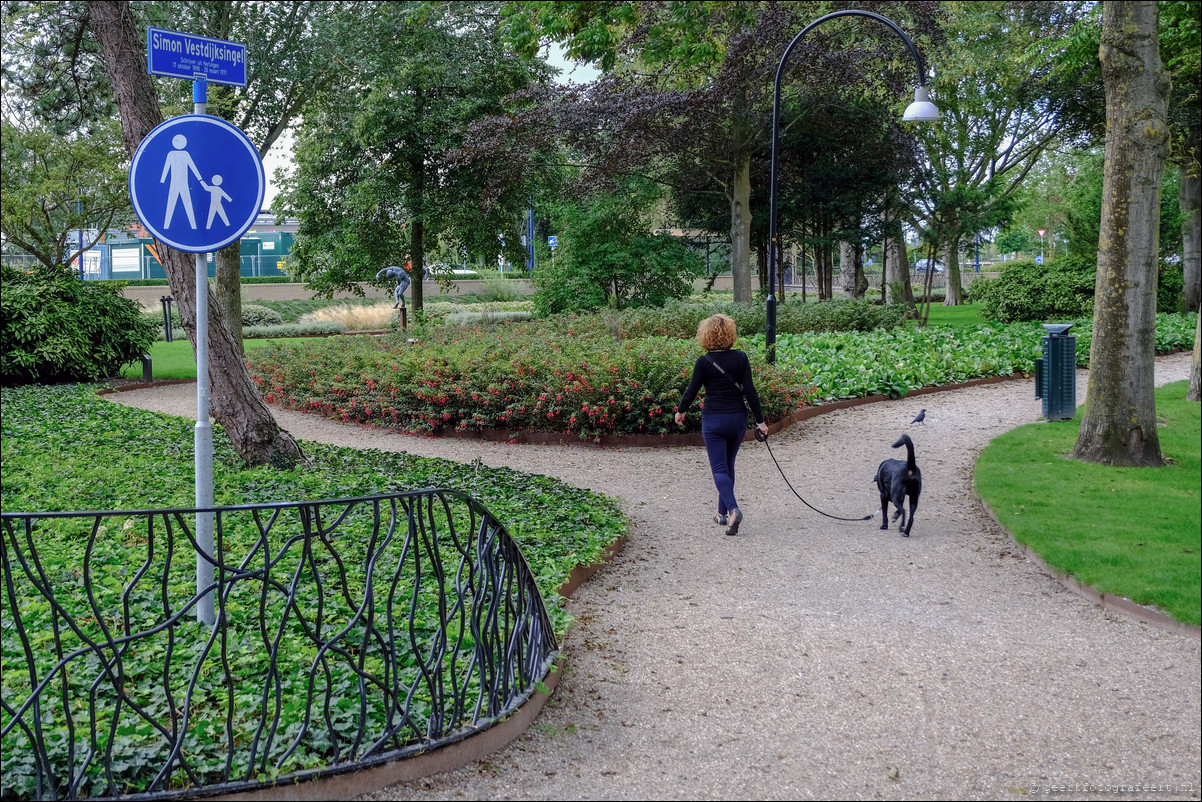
[[197, 183], [186, 55]]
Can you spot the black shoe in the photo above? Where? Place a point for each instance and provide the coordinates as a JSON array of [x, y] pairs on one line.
[[720, 520], [736, 518]]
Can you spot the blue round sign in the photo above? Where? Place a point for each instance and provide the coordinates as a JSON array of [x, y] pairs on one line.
[[197, 183]]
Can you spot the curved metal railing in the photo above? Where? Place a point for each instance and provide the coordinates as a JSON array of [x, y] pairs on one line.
[[349, 633]]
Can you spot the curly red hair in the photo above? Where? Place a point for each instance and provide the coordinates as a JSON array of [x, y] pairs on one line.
[[717, 332]]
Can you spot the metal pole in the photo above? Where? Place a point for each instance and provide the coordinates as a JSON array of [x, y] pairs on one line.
[[79, 211], [530, 240], [773, 245], [205, 607]]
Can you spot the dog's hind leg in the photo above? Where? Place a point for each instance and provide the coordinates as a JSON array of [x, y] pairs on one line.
[[884, 500], [910, 522]]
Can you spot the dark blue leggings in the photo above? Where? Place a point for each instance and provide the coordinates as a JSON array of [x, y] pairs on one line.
[[723, 434]]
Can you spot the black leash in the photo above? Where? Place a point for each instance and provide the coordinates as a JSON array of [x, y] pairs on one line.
[[763, 438]]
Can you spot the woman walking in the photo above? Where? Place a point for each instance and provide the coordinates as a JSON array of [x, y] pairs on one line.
[[726, 376]]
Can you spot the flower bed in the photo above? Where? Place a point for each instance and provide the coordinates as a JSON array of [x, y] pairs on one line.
[[587, 381], [509, 378]]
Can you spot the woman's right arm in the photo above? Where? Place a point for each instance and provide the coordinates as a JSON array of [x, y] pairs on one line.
[[690, 392]]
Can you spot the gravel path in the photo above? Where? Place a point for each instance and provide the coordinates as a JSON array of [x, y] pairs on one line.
[[808, 658]]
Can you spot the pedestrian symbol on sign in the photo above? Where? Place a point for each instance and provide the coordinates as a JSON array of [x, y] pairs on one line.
[[177, 165]]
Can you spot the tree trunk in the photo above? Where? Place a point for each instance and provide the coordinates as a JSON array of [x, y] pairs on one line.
[[417, 262], [897, 273], [828, 269], [1119, 422], [228, 288], [953, 295], [740, 230], [861, 280], [1191, 237], [847, 269], [1195, 391], [236, 404]]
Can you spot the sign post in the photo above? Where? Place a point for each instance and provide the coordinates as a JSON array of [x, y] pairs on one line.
[[1042, 231], [197, 183]]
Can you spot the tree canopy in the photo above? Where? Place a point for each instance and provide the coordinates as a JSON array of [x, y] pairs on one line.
[[375, 182]]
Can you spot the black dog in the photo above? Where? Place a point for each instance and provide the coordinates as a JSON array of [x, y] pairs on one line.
[[896, 480]]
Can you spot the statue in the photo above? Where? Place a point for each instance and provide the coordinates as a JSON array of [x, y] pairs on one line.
[[402, 280]]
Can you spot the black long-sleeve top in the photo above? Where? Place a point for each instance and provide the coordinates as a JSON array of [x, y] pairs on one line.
[[721, 395]]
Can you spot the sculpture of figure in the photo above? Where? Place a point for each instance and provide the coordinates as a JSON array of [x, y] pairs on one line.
[[402, 280]]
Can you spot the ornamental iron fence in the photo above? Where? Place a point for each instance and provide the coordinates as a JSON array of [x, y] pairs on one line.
[[349, 633]]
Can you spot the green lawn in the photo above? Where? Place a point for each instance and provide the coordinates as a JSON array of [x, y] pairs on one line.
[[955, 316], [1129, 531], [176, 360]]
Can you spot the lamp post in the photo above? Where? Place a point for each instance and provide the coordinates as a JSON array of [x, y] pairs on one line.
[[921, 110]]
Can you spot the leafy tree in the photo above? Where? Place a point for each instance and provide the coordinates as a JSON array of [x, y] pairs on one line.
[[693, 83], [57, 184], [607, 256], [376, 179], [51, 68], [1013, 241], [1118, 426], [1001, 99]]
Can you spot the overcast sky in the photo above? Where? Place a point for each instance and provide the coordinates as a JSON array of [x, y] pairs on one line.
[[281, 152]]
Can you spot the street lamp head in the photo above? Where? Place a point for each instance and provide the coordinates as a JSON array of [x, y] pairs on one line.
[[922, 109]]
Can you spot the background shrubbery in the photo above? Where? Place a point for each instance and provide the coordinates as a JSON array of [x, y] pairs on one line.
[[1025, 291], [54, 327], [518, 377], [1061, 288], [680, 318]]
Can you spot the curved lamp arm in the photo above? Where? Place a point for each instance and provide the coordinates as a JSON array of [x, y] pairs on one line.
[[920, 110]]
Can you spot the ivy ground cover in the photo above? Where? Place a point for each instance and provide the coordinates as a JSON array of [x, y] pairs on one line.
[[66, 449], [896, 361]]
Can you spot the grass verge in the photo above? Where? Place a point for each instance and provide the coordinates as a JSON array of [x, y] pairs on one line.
[[176, 360], [1129, 531]]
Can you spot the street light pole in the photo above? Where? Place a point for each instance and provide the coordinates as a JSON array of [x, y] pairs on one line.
[[920, 110]]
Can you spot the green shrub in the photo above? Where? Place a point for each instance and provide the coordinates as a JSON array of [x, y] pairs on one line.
[[680, 318], [256, 315], [1170, 288], [606, 258], [54, 327], [1025, 291]]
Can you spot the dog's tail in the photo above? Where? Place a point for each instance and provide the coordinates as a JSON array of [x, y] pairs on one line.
[[905, 440]]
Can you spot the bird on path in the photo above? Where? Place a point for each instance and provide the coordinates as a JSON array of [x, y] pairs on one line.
[[921, 417]]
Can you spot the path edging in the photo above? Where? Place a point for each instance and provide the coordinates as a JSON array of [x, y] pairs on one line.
[[1108, 601]]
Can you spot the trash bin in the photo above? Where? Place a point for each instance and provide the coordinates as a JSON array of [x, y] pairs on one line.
[[1056, 373]]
